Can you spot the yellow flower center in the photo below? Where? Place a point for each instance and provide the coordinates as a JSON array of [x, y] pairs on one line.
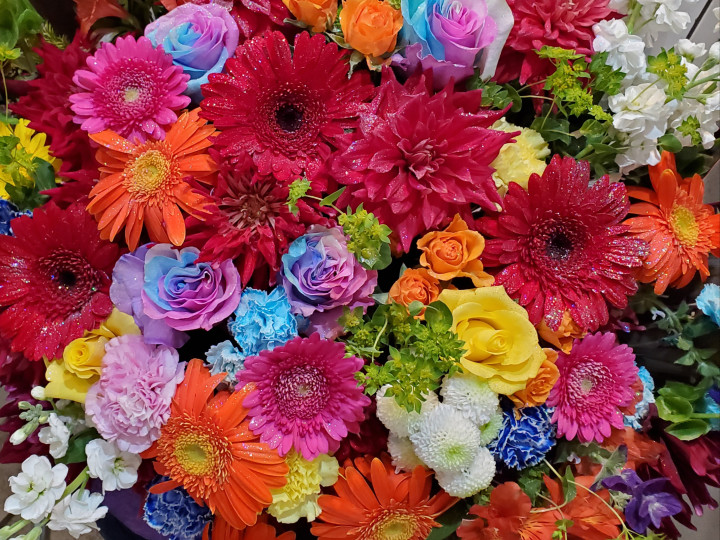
[[131, 95], [149, 171], [396, 525], [195, 453], [684, 225]]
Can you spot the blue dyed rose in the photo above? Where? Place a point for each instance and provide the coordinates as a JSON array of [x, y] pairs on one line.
[[262, 321], [524, 441], [200, 38], [224, 357], [641, 408], [709, 302], [175, 514], [8, 212]]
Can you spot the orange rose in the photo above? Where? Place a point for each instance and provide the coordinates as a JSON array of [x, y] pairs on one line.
[[415, 285], [455, 252], [563, 337], [370, 26], [538, 388], [318, 14]]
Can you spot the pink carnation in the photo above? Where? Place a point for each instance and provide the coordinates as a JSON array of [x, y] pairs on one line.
[[305, 396], [596, 381], [131, 401]]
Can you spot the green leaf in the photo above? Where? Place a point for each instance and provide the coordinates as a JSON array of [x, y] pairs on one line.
[[670, 143], [384, 259], [449, 521], [612, 465], [515, 97], [415, 308], [44, 175], [673, 408], [553, 129], [76, 447], [688, 430], [438, 317], [330, 199], [568, 485]]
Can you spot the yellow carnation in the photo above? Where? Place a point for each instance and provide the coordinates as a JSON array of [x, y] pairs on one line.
[[298, 498], [71, 376], [517, 161], [500, 341]]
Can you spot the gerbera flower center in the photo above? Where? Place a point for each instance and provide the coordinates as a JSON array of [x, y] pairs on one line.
[[558, 245], [586, 384], [301, 391], [420, 157], [397, 524], [132, 92], [71, 276], [289, 117], [684, 225], [150, 172]]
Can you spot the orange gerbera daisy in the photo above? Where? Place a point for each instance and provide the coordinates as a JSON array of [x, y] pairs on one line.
[[147, 182], [393, 505], [678, 227], [207, 448], [222, 530]]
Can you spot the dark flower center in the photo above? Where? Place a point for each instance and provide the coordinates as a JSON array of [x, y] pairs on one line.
[[66, 278], [289, 117], [250, 206], [559, 246], [71, 280]]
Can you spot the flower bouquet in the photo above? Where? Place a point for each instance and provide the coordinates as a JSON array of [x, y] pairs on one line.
[[376, 269]]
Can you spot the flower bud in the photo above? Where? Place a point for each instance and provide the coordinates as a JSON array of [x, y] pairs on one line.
[[38, 392]]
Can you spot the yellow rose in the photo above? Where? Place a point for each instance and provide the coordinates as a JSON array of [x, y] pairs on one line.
[[518, 160], [72, 376], [500, 341]]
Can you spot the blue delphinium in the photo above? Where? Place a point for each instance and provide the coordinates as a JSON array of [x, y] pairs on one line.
[[524, 440], [641, 408], [8, 212], [176, 515], [225, 357], [708, 301], [262, 321]]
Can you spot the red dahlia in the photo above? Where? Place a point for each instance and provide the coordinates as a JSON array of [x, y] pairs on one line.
[[55, 277], [562, 245], [286, 111], [419, 159]]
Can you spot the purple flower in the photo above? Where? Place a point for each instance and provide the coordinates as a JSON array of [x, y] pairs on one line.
[[125, 292], [186, 295], [320, 276], [200, 38], [649, 502]]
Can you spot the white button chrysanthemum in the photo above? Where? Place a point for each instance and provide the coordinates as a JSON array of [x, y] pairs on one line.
[[395, 417], [36, 488], [403, 454], [446, 440], [470, 480], [490, 430], [471, 396]]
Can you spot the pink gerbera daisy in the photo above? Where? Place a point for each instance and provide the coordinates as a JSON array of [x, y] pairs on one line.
[[130, 88], [596, 382], [305, 396]]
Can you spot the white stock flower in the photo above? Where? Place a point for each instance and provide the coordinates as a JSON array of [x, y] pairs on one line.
[[640, 151], [470, 480], [716, 12], [36, 488], [403, 453], [56, 435], [689, 49], [115, 468], [471, 396], [626, 52], [77, 513], [662, 16], [641, 111]]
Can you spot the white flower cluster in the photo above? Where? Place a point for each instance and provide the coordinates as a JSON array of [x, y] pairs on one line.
[[115, 469], [449, 437]]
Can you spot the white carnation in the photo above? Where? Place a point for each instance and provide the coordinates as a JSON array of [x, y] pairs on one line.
[[36, 488], [470, 480], [56, 435], [77, 513], [115, 468], [626, 52], [395, 417], [403, 453], [471, 396]]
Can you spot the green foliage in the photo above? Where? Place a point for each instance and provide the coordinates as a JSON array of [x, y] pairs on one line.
[[297, 191], [76, 447], [18, 21], [684, 406], [496, 96], [612, 464], [369, 239], [605, 79], [669, 67], [449, 521], [690, 127], [404, 351], [562, 528], [29, 175], [531, 482]]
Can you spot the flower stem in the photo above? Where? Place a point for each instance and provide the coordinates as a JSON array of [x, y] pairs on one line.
[[80, 480]]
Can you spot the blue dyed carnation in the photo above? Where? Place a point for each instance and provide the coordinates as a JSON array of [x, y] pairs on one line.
[[175, 514], [262, 321], [8, 212], [708, 301], [641, 409], [709, 406], [225, 357], [524, 441]]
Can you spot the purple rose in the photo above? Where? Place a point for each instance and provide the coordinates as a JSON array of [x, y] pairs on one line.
[[125, 292], [200, 38], [453, 37], [320, 276], [186, 295]]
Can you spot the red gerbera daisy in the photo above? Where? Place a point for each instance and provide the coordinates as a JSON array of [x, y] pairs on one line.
[[567, 24], [285, 111], [562, 245], [250, 222], [55, 278], [419, 159]]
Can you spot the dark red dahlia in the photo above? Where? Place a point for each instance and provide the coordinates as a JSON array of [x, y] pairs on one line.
[[562, 247], [249, 222], [418, 159], [55, 278], [287, 111], [47, 107], [567, 24]]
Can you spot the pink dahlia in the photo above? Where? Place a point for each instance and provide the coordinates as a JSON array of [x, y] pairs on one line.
[[419, 159], [567, 24], [596, 382], [561, 245], [130, 88], [305, 396], [287, 111]]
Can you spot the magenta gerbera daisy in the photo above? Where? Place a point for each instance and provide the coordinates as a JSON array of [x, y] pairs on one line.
[[305, 396], [419, 159], [131, 88], [55, 276], [562, 247], [286, 111], [596, 382]]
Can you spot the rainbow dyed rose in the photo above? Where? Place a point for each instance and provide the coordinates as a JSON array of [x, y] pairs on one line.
[[186, 295], [320, 276]]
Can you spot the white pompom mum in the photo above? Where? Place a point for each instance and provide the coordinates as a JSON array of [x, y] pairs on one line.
[[471, 396], [470, 480]]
